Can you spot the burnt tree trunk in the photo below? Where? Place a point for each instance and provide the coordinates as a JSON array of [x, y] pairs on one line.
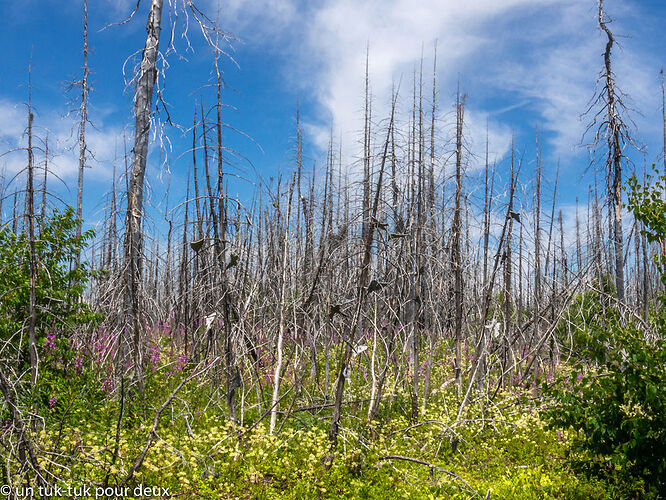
[[143, 99]]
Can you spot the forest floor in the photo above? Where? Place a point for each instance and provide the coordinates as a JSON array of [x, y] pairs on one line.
[[499, 447]]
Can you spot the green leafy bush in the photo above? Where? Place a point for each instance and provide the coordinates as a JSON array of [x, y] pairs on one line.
[[59, 288], [59, 283], [589, 311], [616, 403]]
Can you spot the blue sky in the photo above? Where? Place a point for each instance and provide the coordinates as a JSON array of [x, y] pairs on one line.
[[522, 63]]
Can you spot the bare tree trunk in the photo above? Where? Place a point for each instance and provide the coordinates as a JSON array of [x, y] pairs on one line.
[[579, 257], [487, 207], [2, 195], [614, 157], [361, 293], [133, 231], [183, 281], [30, 214], [112, 221], [82, 129], [15, 213], [456, 251], [431, 226], [663, 114], [232, 373], [563, 253], [537, 244], [281, 308], [44, 183]]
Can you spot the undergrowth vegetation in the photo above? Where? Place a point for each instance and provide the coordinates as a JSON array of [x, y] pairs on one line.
[[503, 446], [593, 428]]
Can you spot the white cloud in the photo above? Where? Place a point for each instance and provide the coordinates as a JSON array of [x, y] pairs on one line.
[[477, 123], [256, 20], [396, 32], [62, 143], [545, 53]]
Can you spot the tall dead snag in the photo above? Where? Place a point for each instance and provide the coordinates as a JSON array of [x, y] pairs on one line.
[[508, 292], [82, 128], [579, 256], [281, 312], [111, 252], [455, 251], [362, 290], [615, 132], [42, 216], [537, 241], [183, 278], [143, 99], [663, 113], [2, 193], [487, 207], [366, 150], [232, 372], [30, 214], [431, 219], [417, 246]]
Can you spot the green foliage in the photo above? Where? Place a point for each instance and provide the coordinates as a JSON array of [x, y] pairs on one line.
[[618, 407], [648, 206], [59, 308], [59, 283], [589, 311], [616, 403], [509, 452]]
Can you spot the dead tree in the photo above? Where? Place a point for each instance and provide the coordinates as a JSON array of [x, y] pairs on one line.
[[42, 217], [30, 215], [456, 250], [361, 293], [82, 129], [143, 99], [614, 131]]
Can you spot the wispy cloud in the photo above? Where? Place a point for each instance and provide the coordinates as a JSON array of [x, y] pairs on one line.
[[546, 54], [62, 137], [396, 32]]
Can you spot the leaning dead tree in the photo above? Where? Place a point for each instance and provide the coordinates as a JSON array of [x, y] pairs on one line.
[[145, 87], [143, 99]]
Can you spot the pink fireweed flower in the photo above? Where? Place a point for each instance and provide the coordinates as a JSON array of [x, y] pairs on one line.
[[78, 363], [52, 402], [107, 385], [154, 353], [181, 362], [50, 342]]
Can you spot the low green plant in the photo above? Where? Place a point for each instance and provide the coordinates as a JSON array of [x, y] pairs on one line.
[[615, 403], [59, 283], [58, 292]]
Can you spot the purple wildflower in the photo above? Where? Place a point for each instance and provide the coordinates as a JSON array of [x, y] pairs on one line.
[[107, 385], [50, 342], [154, 353], [78, 363], [181, 362]]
